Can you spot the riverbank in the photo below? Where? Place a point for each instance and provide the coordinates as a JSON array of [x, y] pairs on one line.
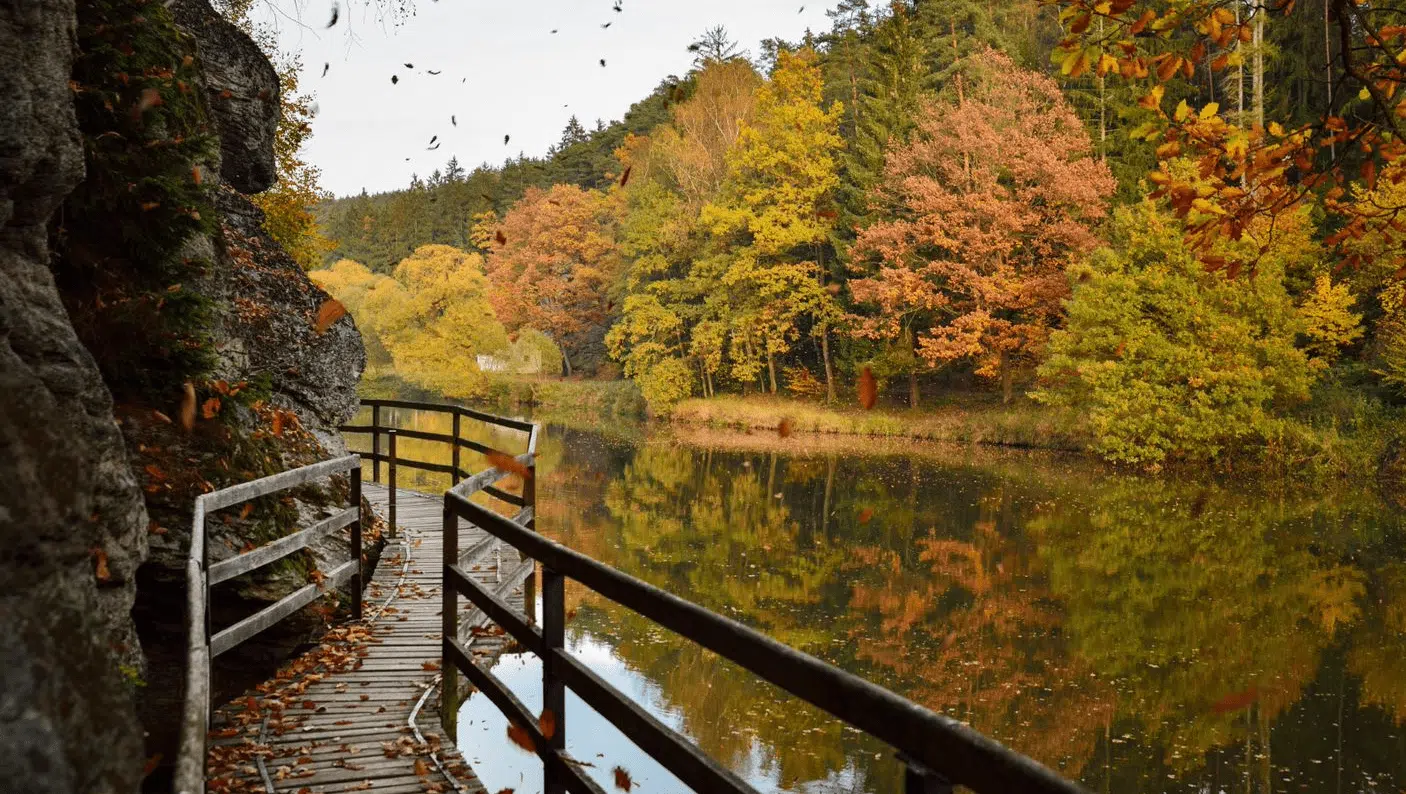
[[1021, 424]]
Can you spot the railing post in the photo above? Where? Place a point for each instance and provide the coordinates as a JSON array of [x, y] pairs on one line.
[[356, 542], [529, 588], [376, 443], [449, 626], [454, 478], [553, 690], [391, 477], [918, 779]]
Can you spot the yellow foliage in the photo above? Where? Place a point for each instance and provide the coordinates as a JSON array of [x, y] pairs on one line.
[[1329, 322]]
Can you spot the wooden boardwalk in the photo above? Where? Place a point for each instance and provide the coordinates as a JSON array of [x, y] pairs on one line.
[[360, 712]]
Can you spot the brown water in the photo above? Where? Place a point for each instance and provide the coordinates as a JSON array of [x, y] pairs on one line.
[[1141, 635]]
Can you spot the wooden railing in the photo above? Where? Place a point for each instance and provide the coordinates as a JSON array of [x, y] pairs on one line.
[[204, 643], [457, 443], [938, 752]]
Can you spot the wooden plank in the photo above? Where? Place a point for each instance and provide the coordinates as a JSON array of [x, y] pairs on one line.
[[264, 486], [197, 531], [273, 613], [278, 549]]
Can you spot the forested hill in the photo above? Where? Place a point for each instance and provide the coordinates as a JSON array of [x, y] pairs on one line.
[[378, 230]]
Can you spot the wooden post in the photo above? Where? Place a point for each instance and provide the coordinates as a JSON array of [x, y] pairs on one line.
[[449, 626], [918, 779], [356, 542], [391, 477], [529, 587], [454, 478], [376, 443], [553, 690]]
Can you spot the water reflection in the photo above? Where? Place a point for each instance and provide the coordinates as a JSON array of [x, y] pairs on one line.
[[1141, 635]]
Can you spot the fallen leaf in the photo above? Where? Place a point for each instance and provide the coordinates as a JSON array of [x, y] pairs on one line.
[[210, 408], [868, 389], [100, 569], [421, 768], [150, 98], [329, 312], [622, 779], [547, 723], [430, 666], [188, 407], [518, 735], [246, 510]]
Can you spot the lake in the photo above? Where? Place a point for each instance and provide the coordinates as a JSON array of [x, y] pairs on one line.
[[1138, 634]]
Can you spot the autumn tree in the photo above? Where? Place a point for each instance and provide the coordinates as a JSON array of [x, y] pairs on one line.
[[774, 209], [551, 267], [1168, 361], [692, 148], [434, 317], [988, 203], [288, 205]]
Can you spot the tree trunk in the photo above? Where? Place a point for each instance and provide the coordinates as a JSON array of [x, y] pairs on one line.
[[1007, 378], [566, 362], [1258, 39], [829, 488], [1239, 78], [771, 370], [829, 370], [913, 390], [1328, 64]]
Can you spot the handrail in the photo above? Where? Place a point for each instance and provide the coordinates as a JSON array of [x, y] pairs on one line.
[[202, 643], [937, 751], [456, 442]]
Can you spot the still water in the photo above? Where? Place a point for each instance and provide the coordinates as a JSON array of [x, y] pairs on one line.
[[1140, 635]]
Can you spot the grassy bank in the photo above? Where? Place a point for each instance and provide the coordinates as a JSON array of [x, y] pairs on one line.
[[594, 398], [1021, 424]]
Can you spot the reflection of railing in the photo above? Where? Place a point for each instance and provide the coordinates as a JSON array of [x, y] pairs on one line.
[[938, 752], [204, 643], [455, 441]]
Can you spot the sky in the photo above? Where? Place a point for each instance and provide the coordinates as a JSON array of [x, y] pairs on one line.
[[502, 72]]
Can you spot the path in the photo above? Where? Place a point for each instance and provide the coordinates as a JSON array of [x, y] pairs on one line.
[[360, 712]]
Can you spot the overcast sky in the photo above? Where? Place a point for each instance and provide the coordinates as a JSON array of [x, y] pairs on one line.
[[502, 72]]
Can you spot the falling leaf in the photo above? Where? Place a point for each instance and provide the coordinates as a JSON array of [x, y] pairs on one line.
[[625, 177], [547, 723], [395, 78], [150, 98], [866, 514], [505, 139], [783, 428], [151, 764], [602, 62], [518, 735], [210, 408], [333, 20], [431, 71], [622, 779], [508, 463], [868, 389], [160, 417], [329, 312], [188, 407], [325, 67], [100, 569], [1235, 701], [409, 66], [196, 175], [501, 238], [246, 510], [453, 121]]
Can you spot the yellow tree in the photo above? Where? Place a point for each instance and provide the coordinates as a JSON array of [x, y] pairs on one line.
[[350, 282], [434, 317], [774, 212]]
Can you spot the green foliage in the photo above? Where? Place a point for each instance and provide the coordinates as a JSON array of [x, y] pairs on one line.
[[1170, 362], [121, 237], [533, 353]]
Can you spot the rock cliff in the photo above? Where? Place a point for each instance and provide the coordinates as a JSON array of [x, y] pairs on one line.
[[117, 284]]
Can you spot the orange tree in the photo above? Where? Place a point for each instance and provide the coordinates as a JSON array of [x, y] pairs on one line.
[[993, 196], [1249, 169]]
